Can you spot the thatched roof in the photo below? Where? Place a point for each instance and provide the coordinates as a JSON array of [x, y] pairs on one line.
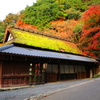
[[39, 40]]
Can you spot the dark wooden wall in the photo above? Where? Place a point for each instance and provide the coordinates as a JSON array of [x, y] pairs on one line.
[[0, 74], [15, 73]]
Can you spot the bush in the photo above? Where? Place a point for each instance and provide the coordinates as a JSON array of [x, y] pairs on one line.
[[96, 76], [73, 14], [77, 32], [78, 28]]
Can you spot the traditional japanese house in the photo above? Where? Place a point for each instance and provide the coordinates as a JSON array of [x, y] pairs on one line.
[[31, 57]]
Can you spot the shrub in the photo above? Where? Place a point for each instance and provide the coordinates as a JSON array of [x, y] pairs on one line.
[[96, 76], [77, 32], [78, 28], [73, 14]]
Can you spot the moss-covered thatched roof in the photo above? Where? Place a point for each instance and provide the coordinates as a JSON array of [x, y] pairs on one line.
[[30, 38]]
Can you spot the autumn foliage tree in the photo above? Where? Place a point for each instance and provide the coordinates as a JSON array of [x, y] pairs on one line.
[[90, 38], [10, 19]]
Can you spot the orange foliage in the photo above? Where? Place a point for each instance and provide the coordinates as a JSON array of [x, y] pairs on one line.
[[62, 28], [59, 28], [21, 23]]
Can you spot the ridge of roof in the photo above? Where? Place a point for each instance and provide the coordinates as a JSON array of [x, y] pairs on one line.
[[40, 33], [6, 47]]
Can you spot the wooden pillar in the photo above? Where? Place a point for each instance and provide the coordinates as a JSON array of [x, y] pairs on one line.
[[69, 72], [91, 73], [80, 72], [0, 74], [74, 72], [58, 72]]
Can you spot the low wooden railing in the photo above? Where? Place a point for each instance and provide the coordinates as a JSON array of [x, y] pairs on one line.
[[15, 80], [18, 80]]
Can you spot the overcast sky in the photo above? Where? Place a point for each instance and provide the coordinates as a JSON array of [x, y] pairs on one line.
[[13, 6]]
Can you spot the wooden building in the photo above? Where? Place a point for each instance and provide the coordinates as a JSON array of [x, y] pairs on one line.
[[31, 57]]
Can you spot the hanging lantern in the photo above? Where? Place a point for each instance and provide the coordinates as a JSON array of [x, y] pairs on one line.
[[45, 66]]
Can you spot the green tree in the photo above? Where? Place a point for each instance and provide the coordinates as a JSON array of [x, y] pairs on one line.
[[42, 12], [2, 29], [82, 4]]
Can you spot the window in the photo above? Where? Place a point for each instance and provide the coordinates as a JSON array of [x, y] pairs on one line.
[[71, 68], [49, 69], [62, 69], [66, 68], [54, 68]]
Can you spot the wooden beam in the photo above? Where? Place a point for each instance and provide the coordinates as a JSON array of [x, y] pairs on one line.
[[0, 73]]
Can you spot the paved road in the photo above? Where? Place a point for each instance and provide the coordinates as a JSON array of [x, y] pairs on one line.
[[22, 94], [88, 91]]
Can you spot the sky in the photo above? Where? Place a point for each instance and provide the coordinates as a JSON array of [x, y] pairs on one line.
[[13, 6]]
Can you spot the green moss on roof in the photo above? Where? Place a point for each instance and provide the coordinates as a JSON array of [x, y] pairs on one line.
[[44, 42]]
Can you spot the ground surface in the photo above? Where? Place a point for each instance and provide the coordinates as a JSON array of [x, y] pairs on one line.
[[88, 91], [46, 89]]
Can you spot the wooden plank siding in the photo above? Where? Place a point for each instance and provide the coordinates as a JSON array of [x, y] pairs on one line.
[[0, 73], [15, 73]]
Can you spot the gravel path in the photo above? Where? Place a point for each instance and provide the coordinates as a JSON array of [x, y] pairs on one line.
[[32, 92]]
